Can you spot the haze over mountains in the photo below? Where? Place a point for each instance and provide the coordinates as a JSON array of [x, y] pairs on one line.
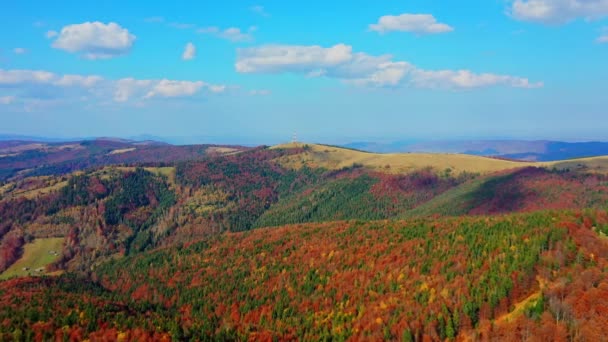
[[524, 150], [540, 150]]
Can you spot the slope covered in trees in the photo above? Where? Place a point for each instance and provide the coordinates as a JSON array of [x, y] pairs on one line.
[[171, 252], [120, 210], [523, 190], [434, 279], [35, 159]]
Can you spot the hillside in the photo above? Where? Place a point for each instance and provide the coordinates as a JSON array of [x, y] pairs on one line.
[[118, 210], [19, 159], [367, 246], [442, 279], [332, 157]]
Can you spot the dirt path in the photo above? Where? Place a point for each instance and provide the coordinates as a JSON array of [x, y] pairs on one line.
[[520, 307]]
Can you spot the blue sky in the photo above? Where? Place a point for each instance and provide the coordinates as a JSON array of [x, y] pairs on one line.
[[334, 72]]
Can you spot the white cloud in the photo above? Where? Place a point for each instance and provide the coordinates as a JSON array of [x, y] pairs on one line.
[[189, 52], [216, 88], [260, 92], [32, 77], [17, 77], [259, 10], [361, 69], [415, 23], [51, 34], [168, 88], [127, 88], [95, 40], [233, 34], [78, 80], [19, 50], [558, 11], [278, 58], [386, 75], [47, 86], [6, 100], [466, 79]]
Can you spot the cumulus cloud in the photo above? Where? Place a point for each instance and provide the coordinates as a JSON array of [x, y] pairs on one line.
[[278, 58], [214, 88], [259, 10], [21, 77], [189, 52], [19, 51], [37, 85], [78, 80], [361, 69], [168, 88], [233, 34], [95, 40], [558, 11], [6, 100], [465, 79], [126, 88], [415, 23], [17, 77]]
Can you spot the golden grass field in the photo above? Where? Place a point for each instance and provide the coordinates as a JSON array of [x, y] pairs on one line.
[[334, 158], [122, 150], [168, 171], [8, 191], [222, 150], [35, 255]]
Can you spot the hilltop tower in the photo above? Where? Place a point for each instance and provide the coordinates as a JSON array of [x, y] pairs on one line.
[[294, 138]]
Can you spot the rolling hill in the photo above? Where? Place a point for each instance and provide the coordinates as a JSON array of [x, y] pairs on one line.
[[19, 159], [300, 241], [540, 150], [332, 157]]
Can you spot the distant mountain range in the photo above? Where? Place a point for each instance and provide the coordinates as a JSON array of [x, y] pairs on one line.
[[527, 150], [539, 150], [28, 157]]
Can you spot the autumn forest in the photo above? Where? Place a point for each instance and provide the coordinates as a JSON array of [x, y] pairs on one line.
[[296, 242]]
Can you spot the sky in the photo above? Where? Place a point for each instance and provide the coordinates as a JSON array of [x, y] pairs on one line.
[[329, 71]]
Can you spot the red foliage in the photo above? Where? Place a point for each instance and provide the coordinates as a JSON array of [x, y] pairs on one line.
[[11, 248]]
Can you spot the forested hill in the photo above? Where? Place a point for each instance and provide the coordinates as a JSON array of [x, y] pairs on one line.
[[19, 159], [369, 246]]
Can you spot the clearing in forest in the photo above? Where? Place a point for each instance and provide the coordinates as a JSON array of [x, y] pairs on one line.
[[36, 256]]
